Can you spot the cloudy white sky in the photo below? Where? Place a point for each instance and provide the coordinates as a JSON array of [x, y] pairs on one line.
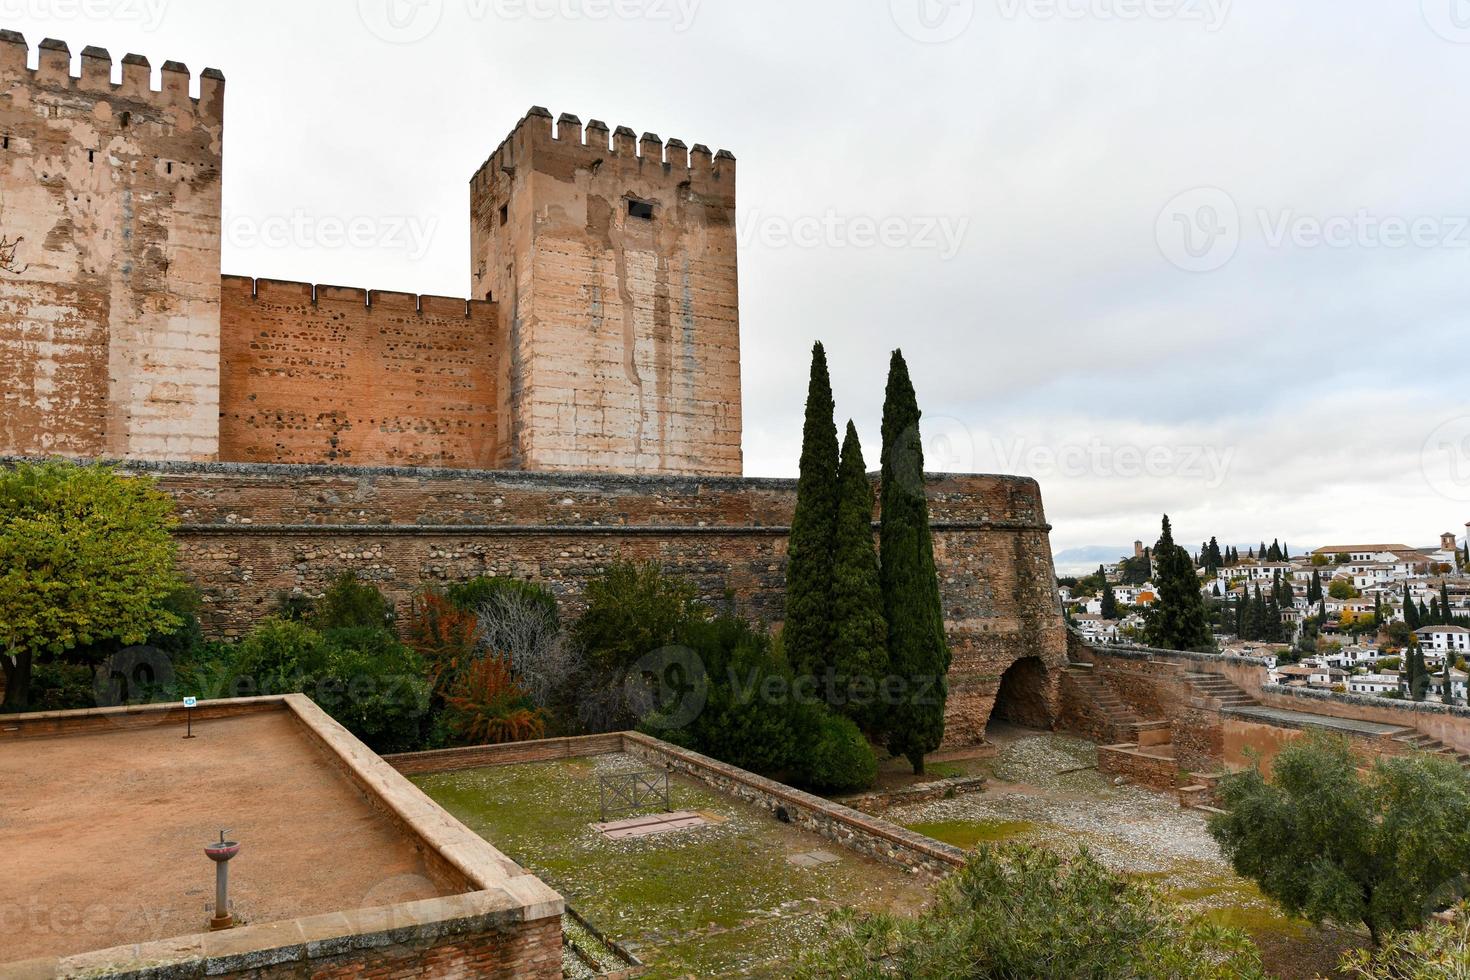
[[1196, 256]]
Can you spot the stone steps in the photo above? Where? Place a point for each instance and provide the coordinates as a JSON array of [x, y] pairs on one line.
[[1120, 717], [1425, 743], [1213, 687]]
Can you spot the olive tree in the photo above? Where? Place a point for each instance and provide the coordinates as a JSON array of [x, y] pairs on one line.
[[1387, 848]]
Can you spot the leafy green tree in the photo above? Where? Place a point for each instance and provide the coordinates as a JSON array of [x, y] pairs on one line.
[[860, 636], [351, 603], [1342, 590], [1021, 911], [809, 626], [500, 593], [917, 648], [1178, 620], [633, 610], [85, 558], [1332, 845]]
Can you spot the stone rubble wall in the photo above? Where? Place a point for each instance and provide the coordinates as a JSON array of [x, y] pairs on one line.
[[251, 533]]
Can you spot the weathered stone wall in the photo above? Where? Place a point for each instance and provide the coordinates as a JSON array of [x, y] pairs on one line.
[[109, 319], [621, 330], [322, 374], [253, 532]]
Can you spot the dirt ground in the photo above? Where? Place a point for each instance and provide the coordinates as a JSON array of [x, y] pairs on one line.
[[103, 835]]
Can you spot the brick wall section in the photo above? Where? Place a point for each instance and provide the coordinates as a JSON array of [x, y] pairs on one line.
[[109, 327], [621, 333], [1139, 768], [253, 532], [323, 374]]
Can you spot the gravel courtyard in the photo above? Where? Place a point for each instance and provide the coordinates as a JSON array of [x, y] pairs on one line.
[[1046, 789]]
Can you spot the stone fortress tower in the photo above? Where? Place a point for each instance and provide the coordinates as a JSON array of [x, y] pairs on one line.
[[601, 336]]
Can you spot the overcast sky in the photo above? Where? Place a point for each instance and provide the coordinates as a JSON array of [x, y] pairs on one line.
[[1193, 256]]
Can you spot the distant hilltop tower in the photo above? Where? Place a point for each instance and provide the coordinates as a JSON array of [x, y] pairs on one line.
[[613, 262]]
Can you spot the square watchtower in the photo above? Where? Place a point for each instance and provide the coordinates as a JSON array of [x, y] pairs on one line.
[[613, 260]]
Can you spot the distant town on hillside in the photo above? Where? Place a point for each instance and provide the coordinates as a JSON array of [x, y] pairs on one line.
[[1376, 619]]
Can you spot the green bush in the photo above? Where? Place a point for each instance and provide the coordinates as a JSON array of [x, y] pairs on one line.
[[374, 686], [1019, 912], [477, 594], [1439, 951], [351, 603], [836, 757], [278, 657], [755, 716], [738, 724], [58, 685], [632, 611]]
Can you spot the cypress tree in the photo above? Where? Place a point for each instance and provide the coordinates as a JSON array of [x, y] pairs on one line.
[[860, 636], [1178, 620], [1109, 602], [1449, 681], [1446, 613], [809, 627], [1411, 611], [918, 651]]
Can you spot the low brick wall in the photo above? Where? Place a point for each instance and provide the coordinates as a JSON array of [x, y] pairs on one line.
[[1139, 767], [1449, 724], [842, 825]]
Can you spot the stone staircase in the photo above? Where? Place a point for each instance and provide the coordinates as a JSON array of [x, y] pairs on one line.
[[1120, 718], [1214, 688], [1424, 743]]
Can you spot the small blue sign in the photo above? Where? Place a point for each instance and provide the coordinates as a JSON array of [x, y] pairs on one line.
[[191, 702]]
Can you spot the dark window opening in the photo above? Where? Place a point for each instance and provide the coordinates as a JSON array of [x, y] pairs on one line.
[[504, 215], [490, 297], [91, 156], [640, 209]]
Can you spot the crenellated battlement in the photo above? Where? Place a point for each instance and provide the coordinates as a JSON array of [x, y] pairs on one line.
[[135, 82], [596, 145], [285, 292]]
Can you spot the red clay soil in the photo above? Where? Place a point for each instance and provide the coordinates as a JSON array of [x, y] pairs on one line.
[[102, 836]]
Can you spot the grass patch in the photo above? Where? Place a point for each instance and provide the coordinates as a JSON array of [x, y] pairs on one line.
[[970, 834]]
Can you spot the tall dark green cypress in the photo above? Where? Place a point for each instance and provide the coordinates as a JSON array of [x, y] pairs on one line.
[[860, 634], [1411, 611], [917, 648], [1178, 620], [809, 626]]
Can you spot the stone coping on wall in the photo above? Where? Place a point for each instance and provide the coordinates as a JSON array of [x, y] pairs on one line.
[[554, 530], [525, 477], [840, 824], [1150, 653], [499, 896], [1364, 701]]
